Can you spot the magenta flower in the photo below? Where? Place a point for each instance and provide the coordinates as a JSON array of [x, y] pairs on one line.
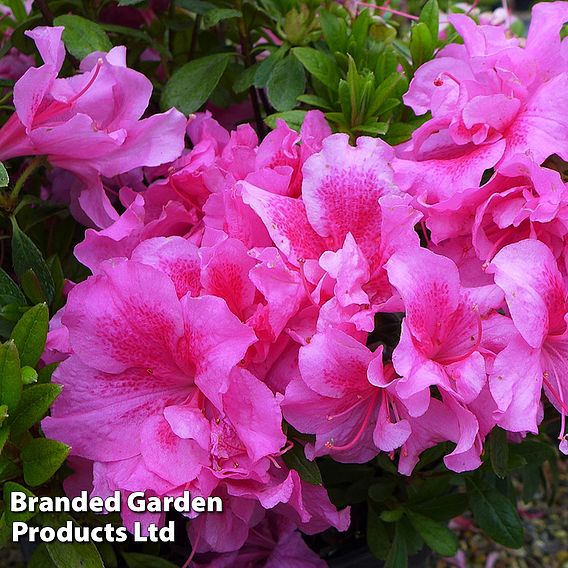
[[90, 123], [536, 358], [490, 99]]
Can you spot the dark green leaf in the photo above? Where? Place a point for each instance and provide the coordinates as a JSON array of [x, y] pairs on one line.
[[10, 376], [41, 458], [319, 65], [266, 66], [438, 537], [34, 403], [18, 9], [494, 513], [315, 101], [377, 536], [30, 334], [74, 554], [44, 374], [381, 491], [9, 291], [4, 430], [8, 469], [196, 6], [382, 93], [136, 560], [4, 177], [41, 558], [82, 36], [398, 554], [32, 287], [129, 2], [308, 470], [245, 79], [26, 256], [499, 451], [286, 83], [213, 17], [24, 516], [444, 507], [191, 85]]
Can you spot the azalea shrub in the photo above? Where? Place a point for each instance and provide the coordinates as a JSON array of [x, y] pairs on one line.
[[307, 257]]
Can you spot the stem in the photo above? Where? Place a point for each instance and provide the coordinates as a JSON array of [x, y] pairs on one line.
[[194, 34], [30, 169], [249, 61], [46, 12]]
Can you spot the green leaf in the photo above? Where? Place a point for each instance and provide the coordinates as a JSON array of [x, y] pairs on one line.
[[381, 491], [32, 287], [319, 65], [4, 177], [293, 118], [494, 513], [196, 6], [430, 15], [308, 470], [378, 539], [438, 537], [266, 66], [499, 452], [334, 31], [444, 507], [213, 17], [81, 36], [26, 256], [129, 2], [190, 86], [421, 44], [286, 83], [10, 376], [4, 430], [382, 93], [9, 291], [29, 375], [315, 101], [136, 560], [372, 128], [30, 334], [74, 554], [398, 553], [34, 403], [41, 458], [392, 516], [44, 374], [245, 79], [10, 517], [8, 469], [41, 558]]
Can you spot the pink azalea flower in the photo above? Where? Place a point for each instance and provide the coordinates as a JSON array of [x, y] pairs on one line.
[[90, 123], [442, 331], [490, 99], [349, 206], [272, 543], [536, 358], [340, 393]]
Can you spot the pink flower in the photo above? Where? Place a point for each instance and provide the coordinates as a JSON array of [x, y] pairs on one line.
[[537, 357], [90, 123], [273, 543], [349, 206], [490, 99], [341, 395]]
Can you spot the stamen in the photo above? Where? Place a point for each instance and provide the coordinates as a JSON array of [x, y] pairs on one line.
[[346, 411], [359, 434], [558, 395]]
